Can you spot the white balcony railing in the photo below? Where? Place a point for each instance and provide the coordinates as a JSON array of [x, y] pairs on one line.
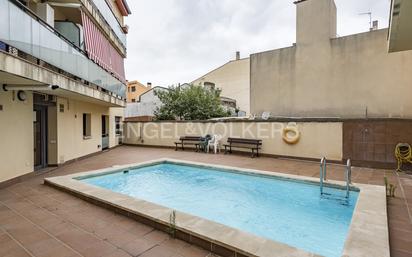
[[23, 30]]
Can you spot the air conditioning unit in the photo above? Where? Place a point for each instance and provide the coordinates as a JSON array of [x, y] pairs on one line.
[[46, 12]]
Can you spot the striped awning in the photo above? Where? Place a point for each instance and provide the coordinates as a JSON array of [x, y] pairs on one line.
[[101, 51]]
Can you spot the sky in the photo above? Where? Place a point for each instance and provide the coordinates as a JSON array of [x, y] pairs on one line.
[[178, 41]]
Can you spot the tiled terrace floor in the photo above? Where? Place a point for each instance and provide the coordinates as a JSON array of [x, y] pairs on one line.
[[36, 220]]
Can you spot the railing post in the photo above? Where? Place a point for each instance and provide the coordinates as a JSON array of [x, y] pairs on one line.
[[348, 177], [322, 173]]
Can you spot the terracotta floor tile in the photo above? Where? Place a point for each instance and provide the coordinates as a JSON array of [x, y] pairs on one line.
[[403, 244], [101, 248], [28, 235], [115, 236], [138, 246], [156, 236], [17, 252], [118, 253], [49, 248], [159, 251], [193, 252], [36, 213], [7, 244], [139, 229], [176, 244], [58, 228], [77, 239], [400, 253]]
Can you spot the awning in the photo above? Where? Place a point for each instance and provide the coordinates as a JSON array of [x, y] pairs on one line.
[[101, 51], [123, 7]]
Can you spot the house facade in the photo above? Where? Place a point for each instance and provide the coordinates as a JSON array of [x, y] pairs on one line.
[[328, 76], [143, 109], [135, 89], [63, 85], [359, 80], [233, 78]]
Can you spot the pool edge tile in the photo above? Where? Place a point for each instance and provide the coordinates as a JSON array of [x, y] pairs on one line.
[[355, 245]]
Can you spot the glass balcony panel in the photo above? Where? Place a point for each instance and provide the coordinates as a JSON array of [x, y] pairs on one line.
[[50, 47], [69, 30], [4, 19], [94, 75], [82, 65], [69, 59], [19, 22], [35, 38], [27, 34]]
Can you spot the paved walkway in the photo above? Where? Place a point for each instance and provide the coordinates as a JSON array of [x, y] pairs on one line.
[[36, 220]]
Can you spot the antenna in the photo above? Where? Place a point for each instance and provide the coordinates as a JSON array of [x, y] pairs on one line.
[[370, 19]]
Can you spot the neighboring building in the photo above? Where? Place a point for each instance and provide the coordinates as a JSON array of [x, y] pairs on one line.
[[400, 26], [233, 79], [144, 108], [63, 81], [359, 80], [135, 89], [328, 76]]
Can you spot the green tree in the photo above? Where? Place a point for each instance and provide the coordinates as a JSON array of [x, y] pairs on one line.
[[189, 103]]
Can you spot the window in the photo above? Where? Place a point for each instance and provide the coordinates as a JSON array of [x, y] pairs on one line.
[[87, 125], [133, 89], [61, 107], [133, 100], [209, 85], [117, 120]]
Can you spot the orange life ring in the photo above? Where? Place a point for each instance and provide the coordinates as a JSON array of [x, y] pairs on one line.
[[291, 140]]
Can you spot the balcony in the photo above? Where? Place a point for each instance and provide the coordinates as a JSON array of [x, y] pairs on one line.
[[26, 32], [108, 15]]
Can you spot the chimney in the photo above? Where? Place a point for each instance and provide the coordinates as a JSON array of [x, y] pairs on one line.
[[237, 56], [149, 84], [315, 21]]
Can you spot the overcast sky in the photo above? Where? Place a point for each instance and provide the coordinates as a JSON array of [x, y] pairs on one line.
[[172, 41]]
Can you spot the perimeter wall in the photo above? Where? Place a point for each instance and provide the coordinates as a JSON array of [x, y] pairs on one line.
[[317, 138]]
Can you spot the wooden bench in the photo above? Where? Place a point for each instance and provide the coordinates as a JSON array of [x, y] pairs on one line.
[[188, 140], [253, 144]]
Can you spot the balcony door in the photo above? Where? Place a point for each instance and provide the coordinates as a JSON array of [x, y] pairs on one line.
[[40, 136]]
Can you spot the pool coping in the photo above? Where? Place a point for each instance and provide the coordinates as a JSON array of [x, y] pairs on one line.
[[368, 233]]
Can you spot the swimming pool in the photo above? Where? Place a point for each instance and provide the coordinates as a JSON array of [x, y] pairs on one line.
[[282, 210]]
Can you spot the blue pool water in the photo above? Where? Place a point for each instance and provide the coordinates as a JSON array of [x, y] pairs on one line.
[[285, 211]]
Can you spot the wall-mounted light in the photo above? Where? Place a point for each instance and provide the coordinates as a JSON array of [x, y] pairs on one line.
[[21, 95], [7, 87]]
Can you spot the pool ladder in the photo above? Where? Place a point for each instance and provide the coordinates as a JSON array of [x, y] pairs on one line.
[[323, 173]]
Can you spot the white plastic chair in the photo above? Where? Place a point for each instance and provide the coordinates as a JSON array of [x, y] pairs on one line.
[[265, 115], [215, 142]]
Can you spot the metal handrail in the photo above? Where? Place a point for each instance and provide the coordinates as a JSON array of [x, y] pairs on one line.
[[323, 172], [348, 177], [322, 175]]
